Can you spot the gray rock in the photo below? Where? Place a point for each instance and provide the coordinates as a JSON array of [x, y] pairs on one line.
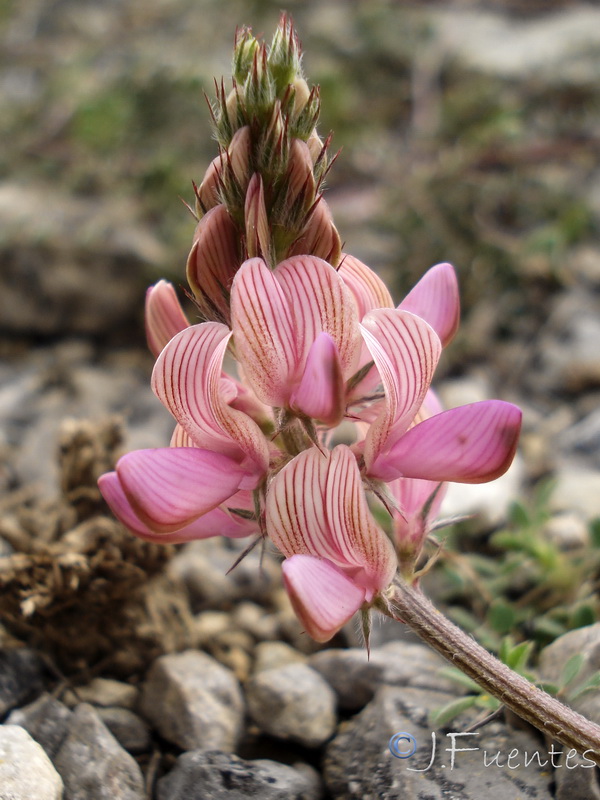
[[107, 692], [46, 720], [584, 437], [26, 772], [93, 765], [211, 775], [577, 489], [193, 701], [558, 49], [584, 641], [21, 677], [575, 780], [203, 566], [355, 677], [128, 728], [359, 763], [269, 655], [293, 702]]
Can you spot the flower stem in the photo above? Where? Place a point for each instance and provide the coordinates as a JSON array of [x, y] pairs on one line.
[[409, 605]]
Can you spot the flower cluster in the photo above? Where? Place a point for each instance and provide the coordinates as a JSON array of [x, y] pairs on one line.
[[329, 406]]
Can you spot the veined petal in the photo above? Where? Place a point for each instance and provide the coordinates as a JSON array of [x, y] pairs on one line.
[[320, 394], [435, 299], [320, 301], [322, 596], [187, 379], [295, 510], [316, 506], [263, 332], [406, 351], [368, 289], [218, 522], [470, 444], [213, 261], [164, 316], [256, 220], [170, 487], [319, 237], [359, 540]]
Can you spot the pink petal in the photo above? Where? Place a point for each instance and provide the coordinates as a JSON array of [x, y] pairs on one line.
[[263, 332], [435, 299], [406, 351], [218, 522], [164, 316], [319, 237], [320, 394], [258, 237], [172, 486], [320, 301], [368, 289], [322, 596], [316, 505], [187, 379], [213, 261], [470, 444]]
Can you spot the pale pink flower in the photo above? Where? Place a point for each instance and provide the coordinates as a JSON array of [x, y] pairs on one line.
[[337, 558]]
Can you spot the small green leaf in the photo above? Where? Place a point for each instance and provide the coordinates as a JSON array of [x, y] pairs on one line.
[[459, 677], [520, 655], [595, 531], [550, 688], [501, 617], [593, 682], [448, 712], [571, 669]]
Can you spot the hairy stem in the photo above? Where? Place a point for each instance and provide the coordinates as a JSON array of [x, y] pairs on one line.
[[409, 605]]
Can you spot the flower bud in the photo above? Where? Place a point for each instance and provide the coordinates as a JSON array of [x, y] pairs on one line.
[[300, 180], [319, 237], [212, 263], [208, 193], [238, 154], [257, 223], [164, 316]]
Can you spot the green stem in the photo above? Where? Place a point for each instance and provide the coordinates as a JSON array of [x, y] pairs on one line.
[[409, 605]]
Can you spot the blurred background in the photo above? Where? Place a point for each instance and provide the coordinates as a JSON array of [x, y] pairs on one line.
[[469, 132]]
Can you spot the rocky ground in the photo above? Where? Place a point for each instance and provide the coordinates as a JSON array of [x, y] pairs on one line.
[[469, 134]]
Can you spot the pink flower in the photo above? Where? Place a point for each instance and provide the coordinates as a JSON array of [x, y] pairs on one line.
[[337, 558], [296, 335]]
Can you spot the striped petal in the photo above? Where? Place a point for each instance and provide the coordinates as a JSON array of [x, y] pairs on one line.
[[320, 394], [164, 316], [213, 261], [316, 506], [263, 332], [435, 299], [470, 444], [367, 288], [406, 351], [218, 522], [322, 596], [187, 379], [170, 487], [320, 301]]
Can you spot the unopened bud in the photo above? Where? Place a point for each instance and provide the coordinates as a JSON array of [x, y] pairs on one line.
[[239, 156], [300, 180], [301, 94], [212, 263], [244, 51], [319, 237], [208, 193], [163, 315], [257, 223]]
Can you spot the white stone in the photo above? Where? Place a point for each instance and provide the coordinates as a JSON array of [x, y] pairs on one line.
[[26, 772]]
